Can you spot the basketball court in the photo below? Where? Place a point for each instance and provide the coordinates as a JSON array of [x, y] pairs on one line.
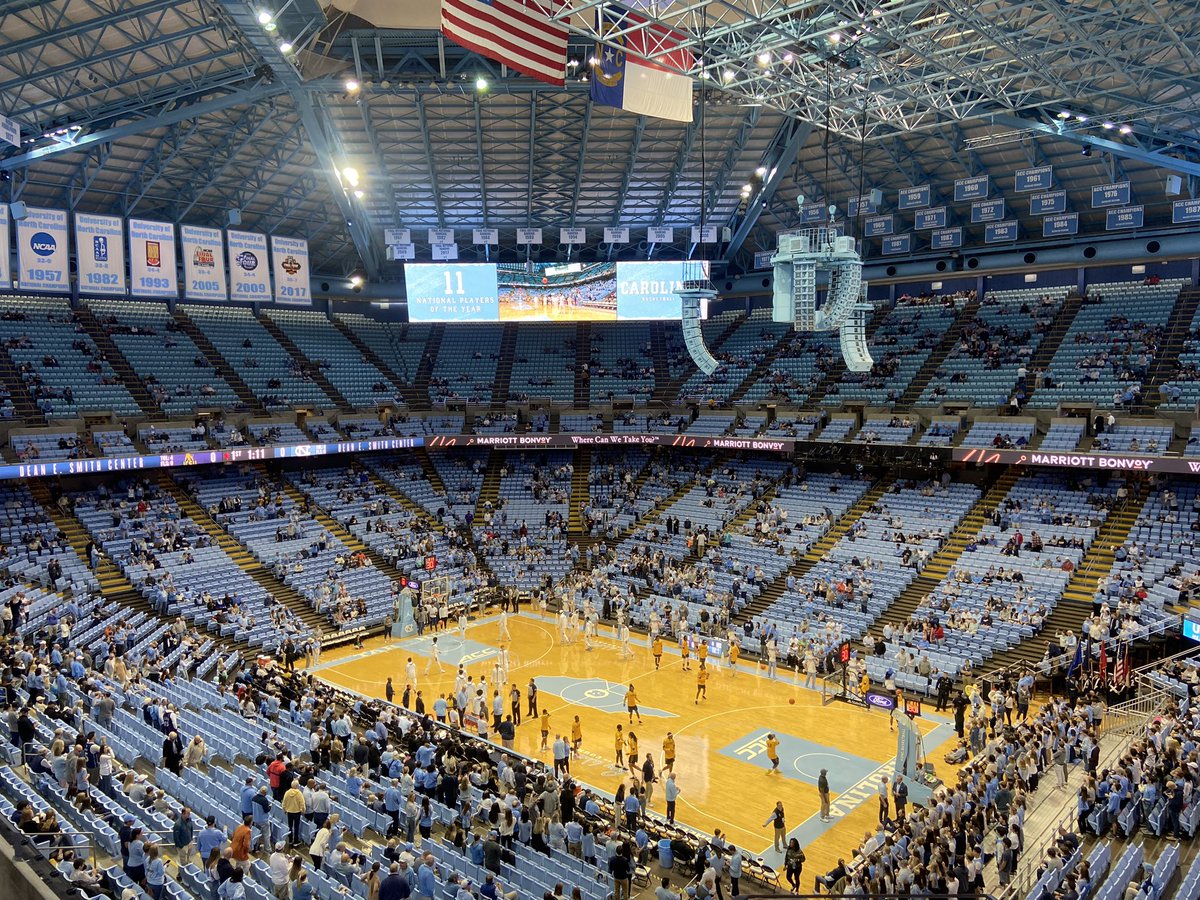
[[721, 763]]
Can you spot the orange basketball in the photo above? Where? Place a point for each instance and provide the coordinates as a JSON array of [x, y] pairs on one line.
[[792, 701]]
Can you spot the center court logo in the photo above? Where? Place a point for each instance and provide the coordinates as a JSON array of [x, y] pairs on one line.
[[43, 244], [247, 261]]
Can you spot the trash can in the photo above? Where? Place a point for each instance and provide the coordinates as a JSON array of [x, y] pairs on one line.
[[665, 856]]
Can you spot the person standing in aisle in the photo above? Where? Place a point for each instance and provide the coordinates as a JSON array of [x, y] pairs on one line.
[[778, 819], [670, 794]]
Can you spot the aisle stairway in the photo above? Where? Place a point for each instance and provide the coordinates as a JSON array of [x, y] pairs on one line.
[[120, 365], [1166, 359], [774, 590], [579, 491], [433, 476], [938, 355], [940, 564], [22, 400], [489, 491], [311, 369], [113, 583], [658, 355], [221, 365], [245, 560], [508, 350], [1054, 335], [583, 358], [425, 367], [406, 390], [329, 523], [666, 390], [1076, 602]]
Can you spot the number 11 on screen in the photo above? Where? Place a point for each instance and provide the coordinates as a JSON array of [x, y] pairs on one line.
[[450, 282]]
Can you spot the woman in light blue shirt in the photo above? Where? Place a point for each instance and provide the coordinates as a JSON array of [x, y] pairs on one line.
[[135, 864], [156, 872]]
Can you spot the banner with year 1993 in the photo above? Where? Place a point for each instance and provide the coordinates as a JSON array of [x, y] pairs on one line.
[[152, 259], [290, 258], [42, 251], [100, 254], [203, 263]]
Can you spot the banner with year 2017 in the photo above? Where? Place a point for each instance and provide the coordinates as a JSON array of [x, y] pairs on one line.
[[42, 251], [100, 254], [203, 263], [152, 259], [290, 258], [249, 267]]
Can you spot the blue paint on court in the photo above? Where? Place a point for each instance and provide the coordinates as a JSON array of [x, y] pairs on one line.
[[802, 760], [595, 693], [452, 650]]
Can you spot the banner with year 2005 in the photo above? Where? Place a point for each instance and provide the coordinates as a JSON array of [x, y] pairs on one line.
[[203, 263], [290, 259], [42, 250], [152, 259], [249, 271]]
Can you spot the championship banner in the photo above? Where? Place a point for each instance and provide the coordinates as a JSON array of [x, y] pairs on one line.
[[5, 262], [249, 274], [100, 254], [290, 258], [42, 251], [152, 259], [203, 263]]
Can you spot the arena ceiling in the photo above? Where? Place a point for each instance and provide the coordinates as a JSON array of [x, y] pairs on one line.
[[188, 110]]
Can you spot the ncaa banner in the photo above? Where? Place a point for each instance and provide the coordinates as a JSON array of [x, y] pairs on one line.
[[42, 251], [290, 256], [203, 263], [152, 259], [249, 272], [100, 254], [5, 262]]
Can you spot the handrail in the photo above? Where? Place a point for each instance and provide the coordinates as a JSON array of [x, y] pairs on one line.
[[1064, 659]]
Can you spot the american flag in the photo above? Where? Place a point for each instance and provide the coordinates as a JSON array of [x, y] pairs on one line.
[[521, 35]]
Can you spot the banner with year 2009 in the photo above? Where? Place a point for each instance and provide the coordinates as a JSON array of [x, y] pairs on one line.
[[152, 259], [249, 271], [290, 258], [42, 250], [203, 263]]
